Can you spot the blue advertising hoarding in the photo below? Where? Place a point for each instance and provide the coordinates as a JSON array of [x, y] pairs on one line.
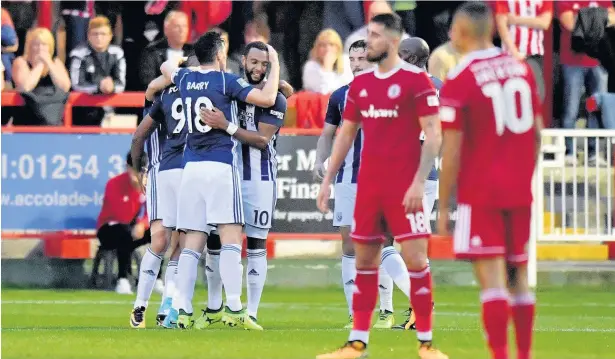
[[56, 181]]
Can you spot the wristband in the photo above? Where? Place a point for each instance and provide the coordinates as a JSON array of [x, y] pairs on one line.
[[231, 129]]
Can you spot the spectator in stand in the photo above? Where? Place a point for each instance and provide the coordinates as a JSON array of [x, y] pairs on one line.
[[76, 15], [122, 223], [577, 70], [521, 25], [255, 30], [327, 69], [97, 68], [205, 15], [42, 80], [142, 24], [375, 8], [23, 14], [405, 10], [10, 44], [173, 45], [443, 59], [2, 77]]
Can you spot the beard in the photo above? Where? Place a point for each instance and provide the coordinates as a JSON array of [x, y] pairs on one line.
[[250, 76], [377, 57]]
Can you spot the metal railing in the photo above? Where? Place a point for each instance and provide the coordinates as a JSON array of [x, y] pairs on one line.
[[574, 192]]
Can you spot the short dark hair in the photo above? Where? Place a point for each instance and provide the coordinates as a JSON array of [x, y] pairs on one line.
[[390, 22], [207, 47], [480, 14], [359, 44], [259, 45], [142, 165], [190, 62]]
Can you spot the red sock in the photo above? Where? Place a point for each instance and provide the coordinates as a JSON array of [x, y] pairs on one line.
[[523, 311], [421, 298], [495, 321], [364, 298]]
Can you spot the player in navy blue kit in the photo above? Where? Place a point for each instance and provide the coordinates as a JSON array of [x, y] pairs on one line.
[[415, 51], [163, 130], [258, 131], [210, 190], [393, 268]]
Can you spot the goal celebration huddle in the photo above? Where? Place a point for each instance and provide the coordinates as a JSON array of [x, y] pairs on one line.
[[210, 138]]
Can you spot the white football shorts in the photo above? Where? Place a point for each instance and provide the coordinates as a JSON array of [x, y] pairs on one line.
[[168, 192], [151, 192], [210, 193], [343, 204], [259, 198]]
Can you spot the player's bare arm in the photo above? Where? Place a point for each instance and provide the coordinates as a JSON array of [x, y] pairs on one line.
[[216, 119], [429, 151], [323, 149], [542, 21], [168, 67], [266, 96], [451, 149], [341, 147], [143, 131], [157, 85]]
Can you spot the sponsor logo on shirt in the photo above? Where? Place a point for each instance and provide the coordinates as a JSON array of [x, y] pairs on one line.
[[373, 112]]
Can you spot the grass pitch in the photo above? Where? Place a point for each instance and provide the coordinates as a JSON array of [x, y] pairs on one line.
[[572, 323]]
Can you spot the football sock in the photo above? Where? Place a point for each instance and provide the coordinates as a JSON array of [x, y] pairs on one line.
[[186, 279], [214, 281], [256, 274], [349, 272], [421, 298], [394, 265], [231, 272], [385, 290], [363, 303], [148, 271], [495, 321], [523, 311], [169, 279]]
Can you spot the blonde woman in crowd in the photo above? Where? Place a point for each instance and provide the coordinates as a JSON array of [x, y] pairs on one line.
[[37, 67], [327, 69]]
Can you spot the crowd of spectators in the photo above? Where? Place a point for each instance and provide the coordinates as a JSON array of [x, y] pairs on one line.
[[111, 47]]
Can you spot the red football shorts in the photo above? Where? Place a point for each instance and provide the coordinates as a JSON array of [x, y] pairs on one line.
[[487, 232], [380, 212]]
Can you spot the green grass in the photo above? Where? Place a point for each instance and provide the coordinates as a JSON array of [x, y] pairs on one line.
[[572, 323]]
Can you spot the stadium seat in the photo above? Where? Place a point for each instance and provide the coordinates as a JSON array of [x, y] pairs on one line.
[[106, 280]]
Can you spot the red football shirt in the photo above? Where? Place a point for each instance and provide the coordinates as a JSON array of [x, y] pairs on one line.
[[528, 40], [567, 55], [493, 99], [388, 106], [122, 203]]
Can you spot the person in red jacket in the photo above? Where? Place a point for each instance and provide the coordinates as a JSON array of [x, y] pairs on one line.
[[123, 224]]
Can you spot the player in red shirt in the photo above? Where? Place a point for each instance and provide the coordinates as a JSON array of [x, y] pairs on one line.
[[490, 113], [392, 102]]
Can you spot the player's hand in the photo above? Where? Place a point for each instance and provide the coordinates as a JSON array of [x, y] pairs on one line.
[[214, 118], [413, 199], [319, 171], [519, 56], [286, 89], [273, 54], [138, 231], [442, 223], [141, 180], [322, 201]]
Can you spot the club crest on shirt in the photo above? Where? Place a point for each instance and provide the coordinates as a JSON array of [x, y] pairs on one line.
[[338, 216], [394, 91]]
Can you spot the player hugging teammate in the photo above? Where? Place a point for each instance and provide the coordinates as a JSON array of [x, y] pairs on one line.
[[213, 179]]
